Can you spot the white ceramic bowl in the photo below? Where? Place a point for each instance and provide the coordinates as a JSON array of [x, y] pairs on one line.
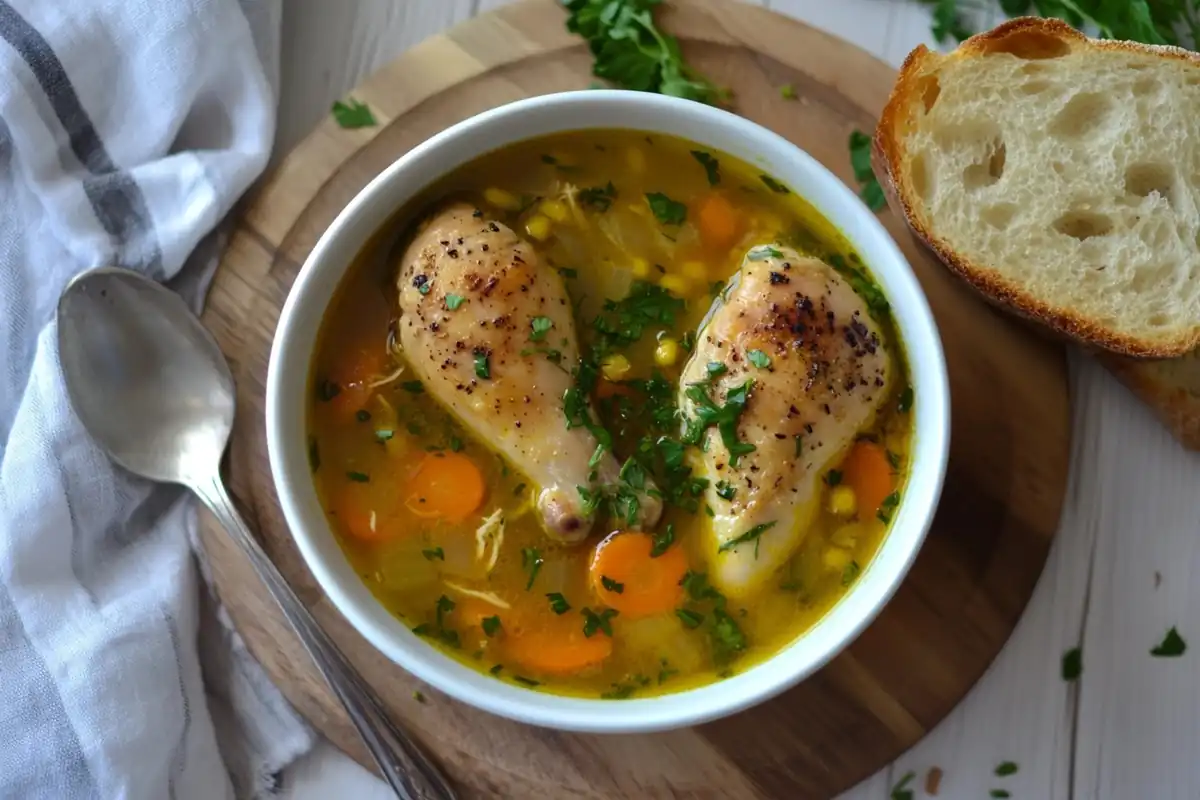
[[287, 388]]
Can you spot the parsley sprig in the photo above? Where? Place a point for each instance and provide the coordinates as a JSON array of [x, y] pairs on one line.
[[631, 52]]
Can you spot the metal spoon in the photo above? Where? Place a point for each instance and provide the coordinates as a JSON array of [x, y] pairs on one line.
[[152, 388]]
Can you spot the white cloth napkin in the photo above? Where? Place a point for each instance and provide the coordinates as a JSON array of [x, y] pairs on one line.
[[128, 129]]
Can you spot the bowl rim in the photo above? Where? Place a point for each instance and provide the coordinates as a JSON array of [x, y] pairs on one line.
[[288, 381]]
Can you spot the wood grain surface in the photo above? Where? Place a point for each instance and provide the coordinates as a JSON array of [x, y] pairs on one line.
[[1000, 508]]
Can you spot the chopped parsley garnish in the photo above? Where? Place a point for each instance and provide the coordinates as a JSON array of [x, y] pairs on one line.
[[456, 444], [884, 514], [496, 668], [833, 477], [759, 359], [662, 541], [593, 622], [862, 285], [314, 454], [568, 272], [434, 554], [787, 92], [352, 114], [413, 387], [558, 603], [622, 322], [520, 487], [1171, 646], [1072, 664], [906, 400], [712, 167], [893, 460], [666, 210], [763, 252], [727, 638], [362, 415], [453, 301], [610, 585], [860, 160], [665, 672], [752, 535], [540, 327], [358, 477], [799, 445], [526, 681], [439, 630], [491, 626], [850, 572], [531, 562], [1006, 768], [999, 794], [597, 455], [726, 490], [690, 619], [327, 390], [599, 198], [715, 369], [420, 698], [724, 417], [483, 365], [774, 185]]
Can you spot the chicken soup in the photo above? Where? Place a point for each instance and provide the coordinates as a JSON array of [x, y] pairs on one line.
[[609, 415]]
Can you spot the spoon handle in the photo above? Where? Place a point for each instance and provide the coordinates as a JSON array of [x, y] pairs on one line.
[[409, 771]]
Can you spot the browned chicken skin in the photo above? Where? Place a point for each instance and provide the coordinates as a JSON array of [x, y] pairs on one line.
[[470, 358], [822, 373]]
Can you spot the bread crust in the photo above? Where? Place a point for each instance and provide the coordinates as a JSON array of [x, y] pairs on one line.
[[1174, 404], [888, 153]]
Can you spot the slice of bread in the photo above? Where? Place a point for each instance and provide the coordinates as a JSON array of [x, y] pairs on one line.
[[1170, 386], [1060, 176]]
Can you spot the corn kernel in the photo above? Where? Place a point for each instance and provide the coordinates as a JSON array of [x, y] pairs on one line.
[[667, 352], [615, 368], [502, 199], [676, 285], [848, 535], [842, 501], [636, 159], [835, 558], [538, 227], [640, 268], [694, 270], [556, 210]]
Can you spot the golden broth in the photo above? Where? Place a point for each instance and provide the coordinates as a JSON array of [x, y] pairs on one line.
[[501, 596]]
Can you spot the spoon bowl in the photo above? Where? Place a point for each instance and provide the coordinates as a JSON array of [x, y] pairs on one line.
[[151, 386], [147, 381]]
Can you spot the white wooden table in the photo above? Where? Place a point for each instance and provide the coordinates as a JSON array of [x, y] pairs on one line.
[[1120, 574]]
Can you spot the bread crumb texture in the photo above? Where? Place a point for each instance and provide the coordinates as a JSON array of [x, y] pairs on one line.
[[1064, 170]]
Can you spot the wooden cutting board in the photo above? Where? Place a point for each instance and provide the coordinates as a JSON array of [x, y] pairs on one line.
[[999, 512]]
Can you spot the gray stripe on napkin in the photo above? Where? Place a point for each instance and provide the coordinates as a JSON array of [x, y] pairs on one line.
[[115, 196], [179, 755], [34, 719]]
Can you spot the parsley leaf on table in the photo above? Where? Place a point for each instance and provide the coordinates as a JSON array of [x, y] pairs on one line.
[[1171, 646], [630, 51], [353, 114], [860, 159]]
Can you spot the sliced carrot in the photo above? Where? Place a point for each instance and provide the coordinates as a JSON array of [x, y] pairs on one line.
[[719, 222], [625, 577], [361, 517], [558, 649], [866, 470], [446, 485], [355, 369]]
